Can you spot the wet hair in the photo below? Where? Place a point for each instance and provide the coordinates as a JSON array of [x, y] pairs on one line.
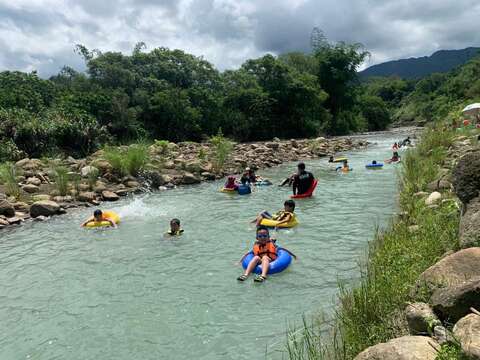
[[290, 203], [261, 227], [97, 212], [374, 161], [175, 221], [301, 166]]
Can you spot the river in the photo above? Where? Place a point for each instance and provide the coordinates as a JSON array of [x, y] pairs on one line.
[[71, 293]]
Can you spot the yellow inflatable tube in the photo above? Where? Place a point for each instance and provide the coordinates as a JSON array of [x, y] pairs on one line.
[[108, 214], [228, 191], [340, 159], [274, 223]]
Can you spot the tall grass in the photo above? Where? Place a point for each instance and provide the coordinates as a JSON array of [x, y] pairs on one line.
[[128, 161], [222, 147], [92, 178], [61, 178], [372, 311], [8, 176]]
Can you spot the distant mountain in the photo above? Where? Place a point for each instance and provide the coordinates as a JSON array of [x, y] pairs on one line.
[[440, 61]]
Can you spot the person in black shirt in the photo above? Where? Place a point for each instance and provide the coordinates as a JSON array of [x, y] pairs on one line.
[[303, 180]]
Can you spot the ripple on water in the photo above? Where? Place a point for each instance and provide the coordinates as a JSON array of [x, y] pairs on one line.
[[130, 293]]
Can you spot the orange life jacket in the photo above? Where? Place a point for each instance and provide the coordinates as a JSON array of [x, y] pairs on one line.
[[267, 248]]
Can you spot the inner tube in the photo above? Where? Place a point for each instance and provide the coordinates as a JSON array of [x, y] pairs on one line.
[[244, 190], [282, 262], [274, 223], [228, 190], [340, 159], [374, 166], [308, 193], [109, 214]]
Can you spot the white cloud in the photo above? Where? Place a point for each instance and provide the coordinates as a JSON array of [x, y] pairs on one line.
[[41, 34]]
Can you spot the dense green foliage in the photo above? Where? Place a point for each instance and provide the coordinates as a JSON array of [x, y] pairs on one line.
[[371, 312], [172, 95], [434, 98]]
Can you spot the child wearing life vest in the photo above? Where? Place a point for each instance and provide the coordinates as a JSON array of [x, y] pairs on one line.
[[99, 216], [283, 216], [175, 229], [264, 251]]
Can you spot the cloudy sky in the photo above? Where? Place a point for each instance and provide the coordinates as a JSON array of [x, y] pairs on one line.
[[41, 34]]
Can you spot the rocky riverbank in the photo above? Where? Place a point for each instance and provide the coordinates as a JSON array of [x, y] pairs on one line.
[[444, 314], [41, 192]]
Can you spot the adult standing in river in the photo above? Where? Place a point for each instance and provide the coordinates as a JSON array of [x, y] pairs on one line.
[[303, 180]]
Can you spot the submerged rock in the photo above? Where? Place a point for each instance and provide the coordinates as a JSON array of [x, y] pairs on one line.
[[403, 348], [467, 332]]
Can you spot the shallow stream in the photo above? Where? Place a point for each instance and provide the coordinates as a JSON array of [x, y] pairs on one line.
[[70, 293]]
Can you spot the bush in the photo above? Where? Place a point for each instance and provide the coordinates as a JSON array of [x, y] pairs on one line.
[[129, 161], [222, 147], [8, 175], [61, 178]]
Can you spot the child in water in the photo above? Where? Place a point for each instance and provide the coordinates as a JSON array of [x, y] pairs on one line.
[[264, 251], [283, 216], [345, 168], [231, 183], [99, 216], [175, 229]]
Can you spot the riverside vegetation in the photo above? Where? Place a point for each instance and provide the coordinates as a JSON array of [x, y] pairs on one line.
[[403, 267]]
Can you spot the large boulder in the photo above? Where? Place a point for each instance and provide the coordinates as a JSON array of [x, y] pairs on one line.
[[452, 270], [453, 302], [466, 177], [34, 181], [194, 166], [6, 208], [154, 179], [421, 319], [470, 224], [87, 196], [44, 208], [402, 348], [467, 332]]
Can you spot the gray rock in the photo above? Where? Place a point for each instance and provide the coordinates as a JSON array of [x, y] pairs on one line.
[[34, 181], [45, 208], [467, 332], [87, 196], [433, 198], [89, 169], [453, 302], [21, 206], [189, 178], [208, 176], [110, 196], [421, 319], [194, 166], [403, 348], [6, 208], [31, 189], [466, 177], [40, 218], [470, 224], [452, 270], [441, 335], [4, 222], [14, 220]]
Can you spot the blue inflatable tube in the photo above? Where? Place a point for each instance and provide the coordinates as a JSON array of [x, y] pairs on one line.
[[282, 261], [244, 190], [374, 166]]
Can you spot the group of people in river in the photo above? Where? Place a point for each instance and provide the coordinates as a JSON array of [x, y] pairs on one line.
[[265, 250]]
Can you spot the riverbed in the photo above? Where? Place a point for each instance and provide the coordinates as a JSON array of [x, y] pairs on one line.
[[129, 293]]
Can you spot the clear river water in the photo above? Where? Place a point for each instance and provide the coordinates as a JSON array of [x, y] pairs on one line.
[[129, 293]]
